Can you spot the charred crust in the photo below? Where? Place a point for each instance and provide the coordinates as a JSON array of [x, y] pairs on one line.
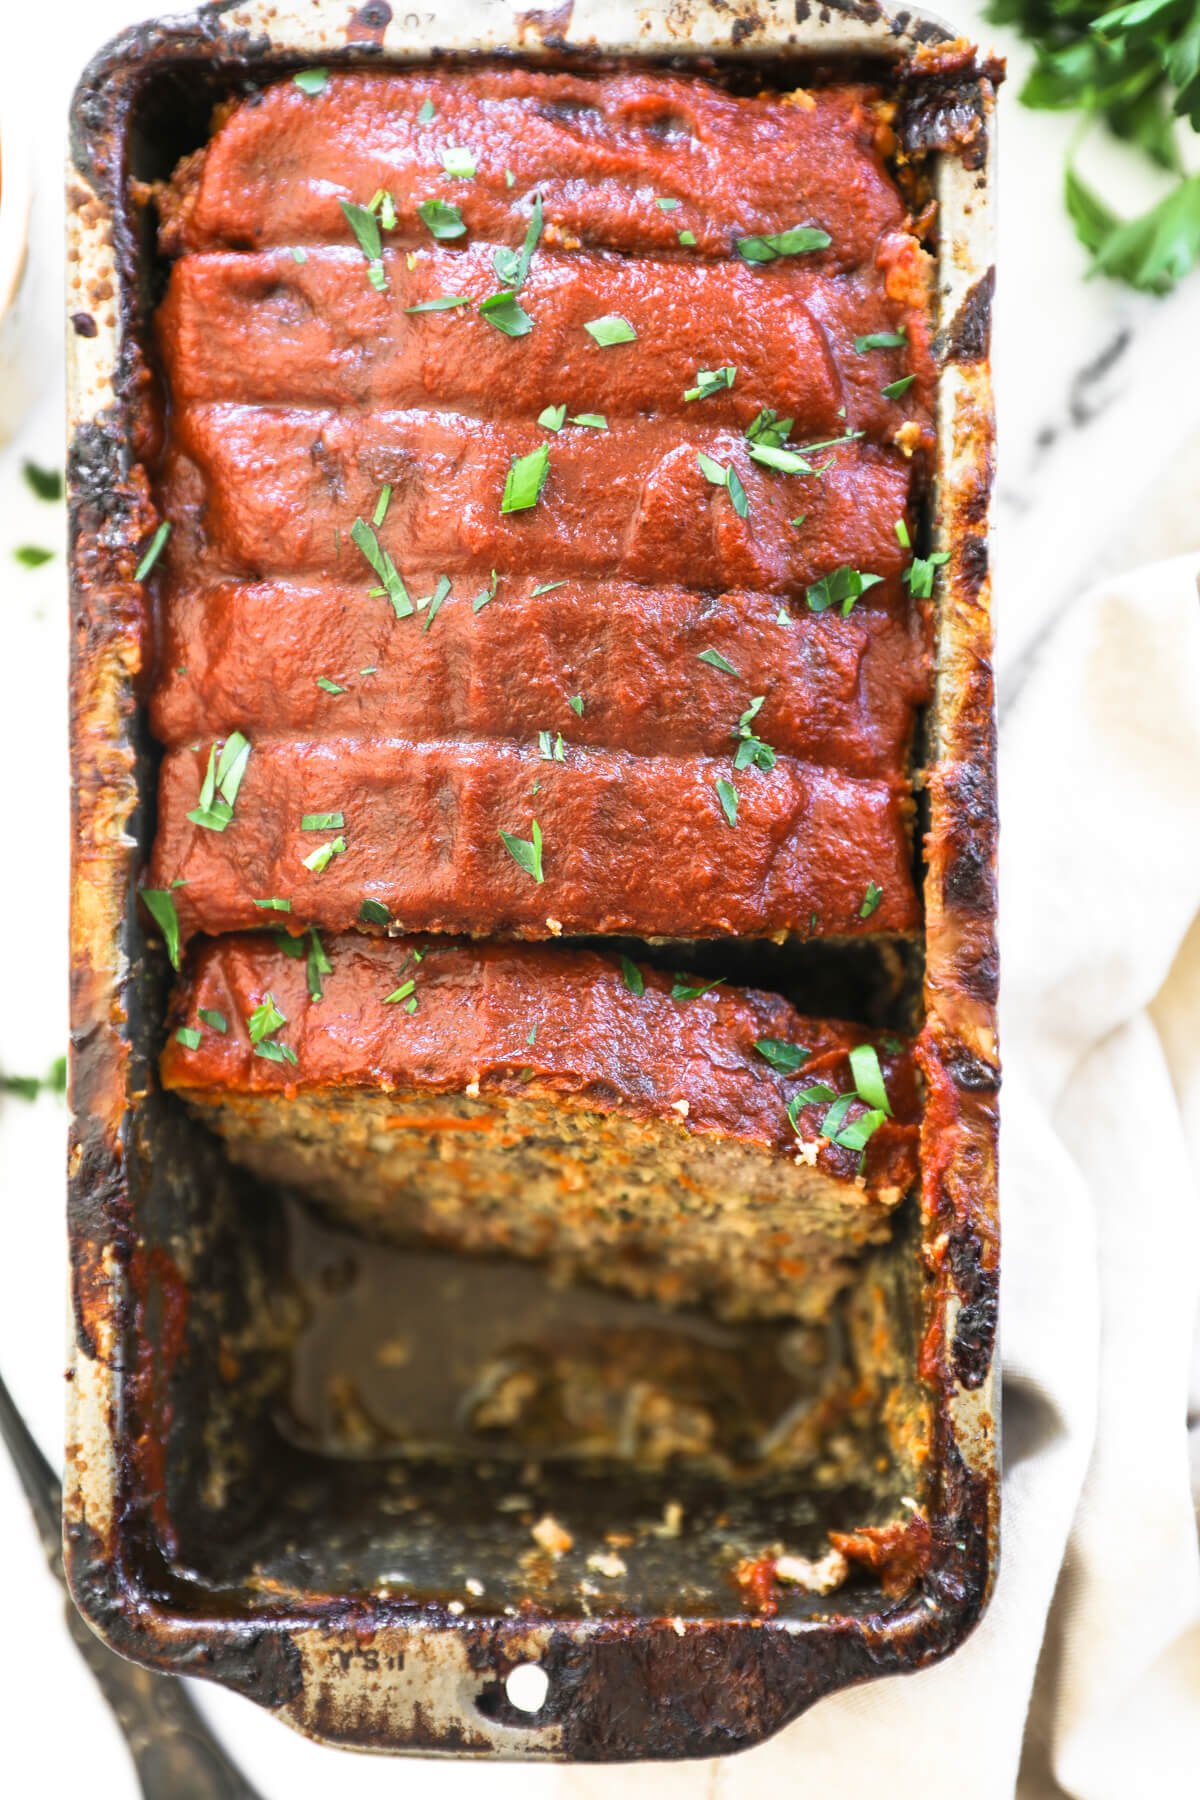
[[968, 337]]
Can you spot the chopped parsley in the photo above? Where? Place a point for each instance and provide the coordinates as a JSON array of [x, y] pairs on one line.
[[715, 660], [546, 587], [632, 976], [919, 575], [681, 991], [222, 780], [332, 821], [265, 1019], [329, 687], [215, 1020], [686, 238], [727, 794], [485, 594], [458, 162], [841, 587], [871, 899], [610, 329], [384, 567], [666, 204], [720, 476], [365, 226], [318, 860], [525, 480], [575, 702], [299, 253], [512, 266], [373, 912], [868, 1077], [553, 418], [506, 313], [551, 748], [796, 242], [188, 1036], [859, 1132], [788, 462], [274, 904], [596, 421], [443, 303], [151, 556], [710, 381], [435, 601], [47, 484], [444, 221], [784, 1057], [768, 428], [316, 964], [161, 907], [894, 389], [526, 853], [262, 1024], [311, 81], [751, 750], [399, 993], [819, 1093], [426, 113], [28, 1087], [902, 537], [881, 340]]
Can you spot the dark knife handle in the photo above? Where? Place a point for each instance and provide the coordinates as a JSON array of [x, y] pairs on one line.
[[175, 1754]]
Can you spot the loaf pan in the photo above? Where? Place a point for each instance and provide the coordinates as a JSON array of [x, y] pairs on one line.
[[337, 1590]]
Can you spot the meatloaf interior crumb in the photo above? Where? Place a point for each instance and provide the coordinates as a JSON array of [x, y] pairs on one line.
[[533, 1104]]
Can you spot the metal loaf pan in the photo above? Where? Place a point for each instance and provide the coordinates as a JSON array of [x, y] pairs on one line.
[[177, 1319]]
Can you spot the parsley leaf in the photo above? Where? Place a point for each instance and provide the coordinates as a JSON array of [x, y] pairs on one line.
[[871, 899], [459, 163], [512, 266], [784, 1057], [443, 303], [919, 574], [311, 81], [715, 660], [881, 340], [611, 329], [47, 484], [841, 587], [153, 551], [525, 480], [796, 242], [728, 478], [505, 312], [868, 1077], [681, 991], [161, 907], [632, 976], [373, 912], [384, 567], [553, 418], [527, 854], [710, 381], [318, 860], [365, 226], [727, 794], [443, 220]]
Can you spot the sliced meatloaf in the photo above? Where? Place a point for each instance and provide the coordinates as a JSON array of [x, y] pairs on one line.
[[612, 1121], [540, 466]]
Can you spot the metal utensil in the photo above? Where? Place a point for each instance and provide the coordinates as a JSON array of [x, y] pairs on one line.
[[173, 1750]]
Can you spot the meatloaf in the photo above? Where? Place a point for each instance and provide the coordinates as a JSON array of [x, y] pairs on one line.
[[542, 465], [540, 468], [695, 1144]]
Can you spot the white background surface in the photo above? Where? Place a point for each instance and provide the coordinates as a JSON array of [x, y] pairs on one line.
[[1083, 460]]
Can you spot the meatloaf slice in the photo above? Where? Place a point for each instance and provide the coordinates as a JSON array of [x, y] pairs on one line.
[[696, 1146], [490, 836]]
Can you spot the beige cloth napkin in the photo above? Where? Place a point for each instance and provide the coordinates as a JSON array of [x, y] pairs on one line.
[[1084, 1677]]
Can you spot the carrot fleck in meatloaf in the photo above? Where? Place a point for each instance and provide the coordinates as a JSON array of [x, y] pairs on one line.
[[542, 459]]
